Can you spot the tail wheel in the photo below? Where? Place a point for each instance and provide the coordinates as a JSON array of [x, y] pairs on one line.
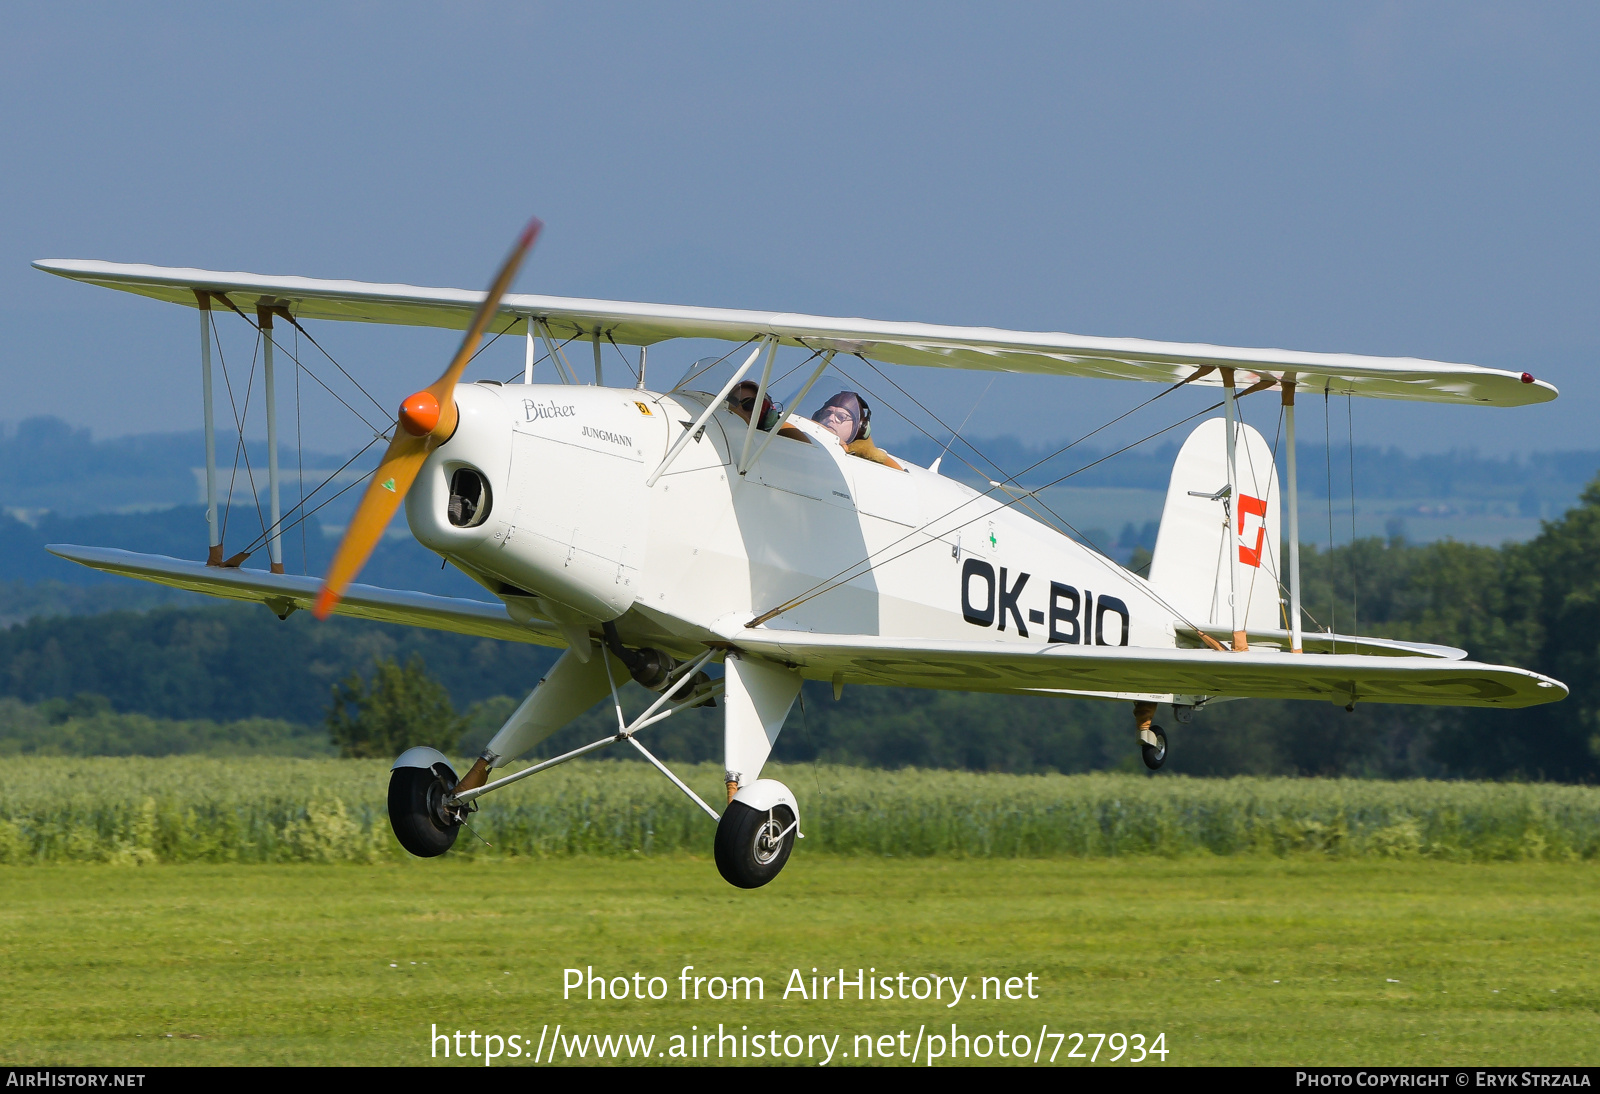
[[1155, 754], [417, 812], [753, 844]]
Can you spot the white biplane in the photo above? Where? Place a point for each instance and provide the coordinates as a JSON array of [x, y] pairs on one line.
[[652, 533]]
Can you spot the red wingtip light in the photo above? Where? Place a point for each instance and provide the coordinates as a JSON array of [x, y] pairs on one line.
[[419, 414], [1527, 377]]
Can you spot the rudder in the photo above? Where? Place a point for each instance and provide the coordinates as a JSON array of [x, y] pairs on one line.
[[1189, 568]]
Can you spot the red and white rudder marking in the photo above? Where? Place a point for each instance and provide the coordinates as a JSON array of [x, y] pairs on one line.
[[1190, 567]]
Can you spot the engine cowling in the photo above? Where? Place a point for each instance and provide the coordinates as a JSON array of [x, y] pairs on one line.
[[542, 487]]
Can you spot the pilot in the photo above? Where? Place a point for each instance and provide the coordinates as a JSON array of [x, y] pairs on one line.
[[742, 401], [848, 417]]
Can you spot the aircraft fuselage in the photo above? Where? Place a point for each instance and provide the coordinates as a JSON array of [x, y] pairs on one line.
[[569, 519]]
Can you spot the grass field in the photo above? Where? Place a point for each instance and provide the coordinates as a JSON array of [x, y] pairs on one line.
[[1249, 959]]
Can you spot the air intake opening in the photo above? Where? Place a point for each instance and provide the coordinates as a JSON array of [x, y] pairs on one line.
[[469, 498]]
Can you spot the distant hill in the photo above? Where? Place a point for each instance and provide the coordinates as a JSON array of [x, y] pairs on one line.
[[46, 464], [1522, 604], [59, 485], [399, 561], [1543, 484]]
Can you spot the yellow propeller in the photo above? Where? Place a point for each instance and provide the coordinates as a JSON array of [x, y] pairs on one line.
[[427, 419]]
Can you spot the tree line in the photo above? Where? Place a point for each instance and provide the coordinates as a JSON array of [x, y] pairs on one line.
[[1531, 604]]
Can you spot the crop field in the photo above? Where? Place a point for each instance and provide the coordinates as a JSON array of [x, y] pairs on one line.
[[188, 809], [256, 911]]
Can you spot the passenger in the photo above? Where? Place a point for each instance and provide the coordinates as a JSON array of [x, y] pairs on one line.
[[742, 401], [848, 417]]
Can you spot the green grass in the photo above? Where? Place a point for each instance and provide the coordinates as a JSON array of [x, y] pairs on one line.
[[1247, 960], [258, 809]]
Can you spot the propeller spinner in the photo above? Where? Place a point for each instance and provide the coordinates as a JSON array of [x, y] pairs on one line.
[[427, 419]]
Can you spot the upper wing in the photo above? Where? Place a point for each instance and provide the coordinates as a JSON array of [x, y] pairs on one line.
[[995, 666], [284, 593], [982, 348]]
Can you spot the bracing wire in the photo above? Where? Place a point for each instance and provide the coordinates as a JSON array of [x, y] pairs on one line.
[[1037, 463], [301, 330], [240, 448], [1268, 544], [831, 584], [284, 524], [543, 357], [288, 525], [299, 456], [974, 409], [298, 364], [493, 340], [538, 359], [1018, 500], [1230, 541], [1327, 459], [227, 504], [695, 374], [790, 373], [564, 369], [855, 570], [627, 364], [1355, 617], [1283, 608]]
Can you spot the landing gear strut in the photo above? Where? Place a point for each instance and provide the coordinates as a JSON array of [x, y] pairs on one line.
[[1152, 738]]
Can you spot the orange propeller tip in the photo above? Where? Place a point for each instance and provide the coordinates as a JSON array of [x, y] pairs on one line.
[[531, 232], [326, 600]]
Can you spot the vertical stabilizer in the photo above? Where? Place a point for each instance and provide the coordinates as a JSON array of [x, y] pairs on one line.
[[1190, 568]]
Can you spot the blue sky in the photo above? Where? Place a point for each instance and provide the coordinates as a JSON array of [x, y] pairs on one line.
[[1382, 178]]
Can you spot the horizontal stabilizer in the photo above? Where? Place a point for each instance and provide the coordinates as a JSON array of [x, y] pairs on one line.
[[1023, 667], [1324, 642], [284, 593]]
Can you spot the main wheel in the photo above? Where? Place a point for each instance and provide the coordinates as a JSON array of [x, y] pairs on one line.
[[417, 812], [753, 844], [1155, 754]]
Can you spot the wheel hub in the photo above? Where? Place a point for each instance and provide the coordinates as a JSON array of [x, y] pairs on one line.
[[447, 814], [769, 840]]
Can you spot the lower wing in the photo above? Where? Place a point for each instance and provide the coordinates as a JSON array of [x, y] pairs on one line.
[[1130, 670], [285, 593]]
